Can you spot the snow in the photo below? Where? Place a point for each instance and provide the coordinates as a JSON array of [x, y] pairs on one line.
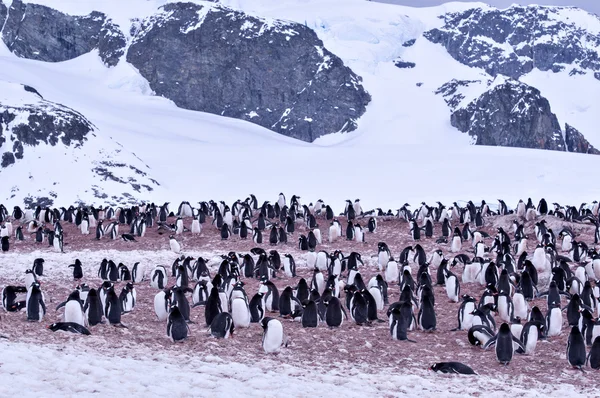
[[404, 144]]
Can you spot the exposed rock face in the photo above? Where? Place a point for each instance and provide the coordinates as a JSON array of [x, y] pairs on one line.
[[2, 13], [576, 142], [512, 42], [272, 73], [509, 113], [38, 122], [42, 33]]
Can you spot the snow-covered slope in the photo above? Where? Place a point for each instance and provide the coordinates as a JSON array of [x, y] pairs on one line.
[[404, 147]]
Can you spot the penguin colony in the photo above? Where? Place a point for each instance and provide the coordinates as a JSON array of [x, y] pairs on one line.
[[516, 265]]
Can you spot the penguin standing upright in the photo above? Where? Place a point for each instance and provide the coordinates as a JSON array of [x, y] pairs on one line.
[[113, 309], [36, 307], [222, 326], [213, 306], [174, 245], [77, 269], [310, 314], [334, 314], [594, 356], [504, 342], [456, 244], [240, 312], [273, 337], [177, 328], [452, 286], [5, 243], [73, 309], [158, 277], [576, 353], [93, 308]]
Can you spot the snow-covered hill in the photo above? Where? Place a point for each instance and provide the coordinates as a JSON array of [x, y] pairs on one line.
[[404, 148]]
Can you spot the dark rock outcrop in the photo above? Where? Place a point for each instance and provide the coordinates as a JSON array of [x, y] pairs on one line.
[[3, 10], [514, 41], [273, 73], [38, 32], [511, 114], [40, 122], [597, 75], [403, 64], [576, 142]]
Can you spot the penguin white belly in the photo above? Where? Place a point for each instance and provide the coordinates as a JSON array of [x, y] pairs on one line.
[[333, 233], [376, 293], [589, 269], [516, 329], [581, 274], [521, 307], [273, 338], [382, 259], [566, 243], [467, 320], [311, 259], [240, 313], [159, 307], [503, 309], [391, 272], [456, 244], [287, 268], [351, 275], [482, 274], [320, 281], [321, 262], [596, 268], [539, 260], [555, 322], [468, 274], [196, 228], [532, 340], [480, 251], [317, 233], [451, 289], [73, 313]]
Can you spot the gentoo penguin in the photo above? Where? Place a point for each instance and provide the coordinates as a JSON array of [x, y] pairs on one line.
[[256, 308], [162, 304], [456, 244], [554, 320], [289, 306], [594, 356], [38, 267], [530, 335], [137, 273], [415, 231], [310, 314], [9, 295], [576, 353], [479, 335], [213, 306], [240, 312], [505, 307], [36, 307], [174, 245], [465, 316], [69, 327], [158, 277], [400, 319], [112, 309], [177, 328], [222, 326], [127, 298], [77, 270], [426, 317], [5, 243], [504, 342], [273, 337], [453, 368], [92, 308], [334, 314], [452, 286], [289, 266], [73, 309], [271, 295]]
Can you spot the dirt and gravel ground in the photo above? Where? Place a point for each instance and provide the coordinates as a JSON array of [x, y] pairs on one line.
[[369, 348]]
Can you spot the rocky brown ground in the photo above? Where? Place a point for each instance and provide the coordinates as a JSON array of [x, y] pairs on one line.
[[369, 348]]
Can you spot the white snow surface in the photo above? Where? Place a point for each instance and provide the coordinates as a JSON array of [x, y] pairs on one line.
[[404, 149]]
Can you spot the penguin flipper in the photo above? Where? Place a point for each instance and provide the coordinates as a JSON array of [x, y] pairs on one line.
[[490, 342], [61, 305]]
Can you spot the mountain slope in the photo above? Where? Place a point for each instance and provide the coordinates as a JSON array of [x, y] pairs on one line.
[[404, 148]]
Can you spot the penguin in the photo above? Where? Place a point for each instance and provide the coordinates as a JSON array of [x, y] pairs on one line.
[[77, 270], [138, 273], [479, 335], [200, 293], [74, 312], [452, 368], [521, 308], [273, 337], [222, 326], [594, 355], [465, 316], [162, 304], [158, 277], [112, 308], [334, 314], [310, 314], [213, 306], [124, 274], [530, 335], [36, 307], [9, 295], [505, 308], [318, 281], [289, 266], [240, 312], [576, 353], [554, 321], [504, 342], [127, 297], [5, 243], [415, 231], [69, 327], [391, 271], [358, 309], [452, 286], [92, 308], [372, 225], [256, 236], [426, 317], [38, 267], [401, 317], [256, 308], [174, 245], [302, 292], [456, 244]]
